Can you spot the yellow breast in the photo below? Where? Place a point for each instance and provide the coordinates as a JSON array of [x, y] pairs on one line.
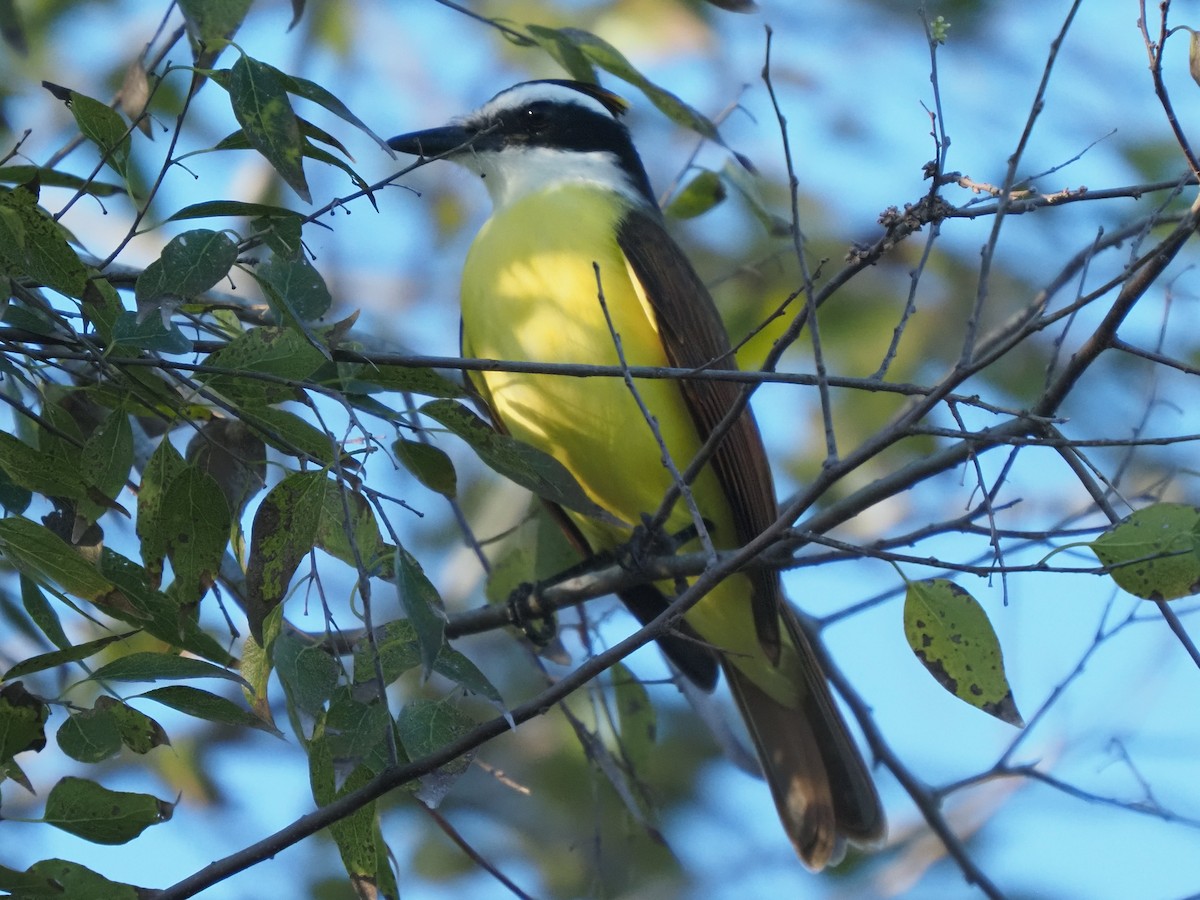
[[531, 292]]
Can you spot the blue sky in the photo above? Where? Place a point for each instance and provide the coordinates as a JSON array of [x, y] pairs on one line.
[[852, 83]]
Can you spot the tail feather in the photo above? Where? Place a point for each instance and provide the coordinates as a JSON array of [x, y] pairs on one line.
[[822, 790]]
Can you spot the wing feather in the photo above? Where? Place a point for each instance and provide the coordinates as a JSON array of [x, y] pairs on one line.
[[694, 337]]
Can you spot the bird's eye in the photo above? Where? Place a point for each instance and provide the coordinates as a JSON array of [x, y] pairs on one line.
[[536, 117]]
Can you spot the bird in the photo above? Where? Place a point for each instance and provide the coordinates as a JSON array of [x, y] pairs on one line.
[[574, 220]]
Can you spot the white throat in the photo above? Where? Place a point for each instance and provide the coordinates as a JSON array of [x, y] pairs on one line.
[[516, 172]]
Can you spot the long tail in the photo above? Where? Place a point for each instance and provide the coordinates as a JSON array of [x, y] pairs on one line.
[[822, 789]]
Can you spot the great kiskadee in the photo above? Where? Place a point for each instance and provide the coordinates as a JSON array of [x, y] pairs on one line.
[[573, 219]]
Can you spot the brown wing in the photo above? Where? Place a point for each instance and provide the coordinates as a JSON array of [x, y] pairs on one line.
[[694, 335]]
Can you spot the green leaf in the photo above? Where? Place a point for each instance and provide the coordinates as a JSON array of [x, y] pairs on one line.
[[526, 465], [161, 667], [42, 613], [281, 234], [94, 813], [189, 265], [357, 731], [636, 720], [138, 731], [459, 669], [262, 108], [423, 606], [195, 524], [396, 645], [312, 91], [356, 835], [698, 196], [298, 287], [334, 537], [105, 128], [398, 650], [307, 672], [90, 735], [54, 178], [12, 239], [22, 721], [290, 434], [425, 726], [314, 152], [14, 498], [134, 601], [413, 380], [214, 22], [61, 657], [234, 208], [38, 552], [609, 58], [285, 530], [164, 465], [56, 879], [1155, 552], [13, 772], [38, 471], [950, 634], [429, 465], [256, 666], [106, 460], [749, 186], [204, 705], [45, 256], [149, 334], [234, 456], [535, 550], [279, 353], [568, 55]]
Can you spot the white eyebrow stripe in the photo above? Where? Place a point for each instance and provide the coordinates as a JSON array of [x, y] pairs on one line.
[[524, 94]]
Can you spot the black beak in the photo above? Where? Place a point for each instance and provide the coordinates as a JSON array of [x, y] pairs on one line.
[[432, 142]]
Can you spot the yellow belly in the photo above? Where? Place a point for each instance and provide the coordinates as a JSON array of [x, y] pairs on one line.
[[530, 293]]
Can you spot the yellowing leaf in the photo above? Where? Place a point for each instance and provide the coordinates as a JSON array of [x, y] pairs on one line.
[[951, 635], [1155, 552]]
